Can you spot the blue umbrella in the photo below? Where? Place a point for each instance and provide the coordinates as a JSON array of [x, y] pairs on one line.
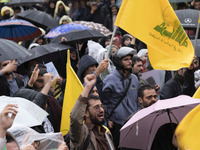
[[18, 30], [64, 29]]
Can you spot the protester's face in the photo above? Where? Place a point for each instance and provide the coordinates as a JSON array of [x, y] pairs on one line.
[[114, 49], [137, 68], [197, 5], [60, 7], [90, 70], [96, 112], [64, 22], [73, 55], [127, 41], [39, 83], [107, 42], [144, 58], [40, 41], [114, 10], [94, 91], [149, 98], [12, 146], [52, 5], [127, 62]]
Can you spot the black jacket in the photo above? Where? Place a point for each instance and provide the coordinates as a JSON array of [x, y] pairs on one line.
[[4, 86]]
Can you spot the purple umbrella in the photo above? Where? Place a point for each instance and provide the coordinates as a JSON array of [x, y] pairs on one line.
[[140, 130]]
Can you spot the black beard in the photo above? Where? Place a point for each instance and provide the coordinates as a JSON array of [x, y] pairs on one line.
[[95, 121]]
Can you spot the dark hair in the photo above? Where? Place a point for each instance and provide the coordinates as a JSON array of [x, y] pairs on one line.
[[91, 97], [142, 88], [41, 67], [135, 58]]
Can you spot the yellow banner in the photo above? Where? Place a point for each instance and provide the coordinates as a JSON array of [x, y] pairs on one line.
[[73, 90], [187, 132], [155, 23]]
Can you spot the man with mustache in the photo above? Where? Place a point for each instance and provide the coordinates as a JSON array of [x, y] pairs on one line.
[[147, 95], [91, 134]]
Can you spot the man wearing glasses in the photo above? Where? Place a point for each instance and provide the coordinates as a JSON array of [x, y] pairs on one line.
[[91, 134]]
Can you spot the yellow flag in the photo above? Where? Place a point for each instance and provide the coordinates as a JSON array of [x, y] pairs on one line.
[[73, 89], [197, 93], [187, 132], [155, 23]]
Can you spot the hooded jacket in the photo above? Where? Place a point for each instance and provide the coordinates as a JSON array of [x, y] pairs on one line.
[[114, 86], [85, 62]]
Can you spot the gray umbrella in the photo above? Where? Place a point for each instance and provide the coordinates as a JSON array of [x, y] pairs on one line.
[[46, 53], [38, 18], [197, 49], [188, 17], [24, 2], [10, 50]]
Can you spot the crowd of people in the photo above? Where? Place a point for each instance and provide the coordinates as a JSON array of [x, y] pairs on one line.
[[114, 88]]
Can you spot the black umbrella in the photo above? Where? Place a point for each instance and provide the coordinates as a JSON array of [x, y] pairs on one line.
[[188, 17], [10, 50], [78, 36], [46, 53], [24, 2], [38, 18]]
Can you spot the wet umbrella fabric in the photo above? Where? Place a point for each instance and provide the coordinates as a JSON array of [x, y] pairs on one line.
[[18, 30], [95, 26], [46, 53], [24, 2], [38, 18], [64, 29], [10, 50], [78, 36], [188, 17], [141, 129]]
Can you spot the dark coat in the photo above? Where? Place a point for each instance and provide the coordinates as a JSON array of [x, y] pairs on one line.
[[4, 86], [85, 62]]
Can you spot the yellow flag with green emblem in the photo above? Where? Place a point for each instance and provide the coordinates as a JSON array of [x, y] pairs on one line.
[[155, 23], [73, 90], [188, 131]]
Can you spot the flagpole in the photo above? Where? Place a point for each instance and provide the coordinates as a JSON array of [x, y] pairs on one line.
[[111, 41], [197, 33]]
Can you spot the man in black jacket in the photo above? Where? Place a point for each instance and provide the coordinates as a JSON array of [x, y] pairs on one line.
[[9, 83]]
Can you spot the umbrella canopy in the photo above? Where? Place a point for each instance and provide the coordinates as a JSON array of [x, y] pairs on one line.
[[95, 26], [38, 18], [24, 2], [64, 29], [46, 53], [140, 130], [197, 49], [18, 30], [29, 114], [78, 36], [188, 17], [10, 50]]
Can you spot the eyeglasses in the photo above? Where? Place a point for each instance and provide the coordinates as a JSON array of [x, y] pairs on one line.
[[97, 108]]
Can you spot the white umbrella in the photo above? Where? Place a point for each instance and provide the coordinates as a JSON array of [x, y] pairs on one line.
[[29, 114]]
